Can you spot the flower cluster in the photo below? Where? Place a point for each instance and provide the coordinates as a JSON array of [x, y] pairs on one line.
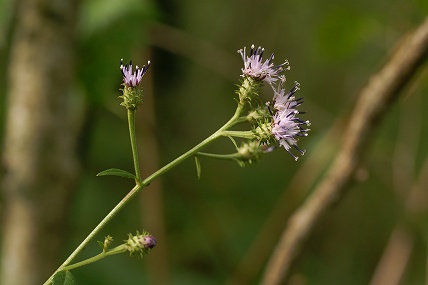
[[283, 126], [286, 126]]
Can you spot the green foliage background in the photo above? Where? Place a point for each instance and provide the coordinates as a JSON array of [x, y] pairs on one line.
[[333, 47]]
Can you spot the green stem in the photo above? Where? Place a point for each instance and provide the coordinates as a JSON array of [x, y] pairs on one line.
[[230, 156], [220, 132], [244, 119], [116, 250], [137, 188], [95, 231], [239, 134], [133, 137]]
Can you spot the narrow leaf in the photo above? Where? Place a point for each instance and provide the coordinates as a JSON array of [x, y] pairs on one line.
[[117, 172], [64, 278], [198, 167]]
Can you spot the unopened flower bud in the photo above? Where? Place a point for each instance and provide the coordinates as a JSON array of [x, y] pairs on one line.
[[248, 90], [251, 152], [140, 243], [263, 133], [107, 242], [259, 113]]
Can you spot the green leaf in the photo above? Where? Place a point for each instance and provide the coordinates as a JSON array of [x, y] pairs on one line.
[[198, 167], [63, 278], [117, 172]]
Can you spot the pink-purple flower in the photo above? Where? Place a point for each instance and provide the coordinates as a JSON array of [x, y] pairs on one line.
[[287, 127], [133, 78], [256, 68]]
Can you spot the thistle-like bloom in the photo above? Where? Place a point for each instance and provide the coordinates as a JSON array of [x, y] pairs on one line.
[[255, 68], [130, 78], [132, 92], [287, 127]]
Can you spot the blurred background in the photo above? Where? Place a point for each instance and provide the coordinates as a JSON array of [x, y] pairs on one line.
[[221, 228]]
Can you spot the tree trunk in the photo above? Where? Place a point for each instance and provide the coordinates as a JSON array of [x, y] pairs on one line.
[[39, 160]]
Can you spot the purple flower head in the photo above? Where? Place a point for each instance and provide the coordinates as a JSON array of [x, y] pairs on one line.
[[287, 127], [148, 241], [255, 67], [133, 79], [140, 243]]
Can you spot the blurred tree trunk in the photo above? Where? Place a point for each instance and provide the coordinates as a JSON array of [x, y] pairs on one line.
[[39, 160]]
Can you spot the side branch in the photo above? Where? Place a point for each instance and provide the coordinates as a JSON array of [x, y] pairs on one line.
[[374, 100]]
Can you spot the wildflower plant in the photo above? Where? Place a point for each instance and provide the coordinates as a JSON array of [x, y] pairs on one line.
[[269, 126]]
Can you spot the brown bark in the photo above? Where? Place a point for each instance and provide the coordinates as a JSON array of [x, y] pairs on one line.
[[38, 160]]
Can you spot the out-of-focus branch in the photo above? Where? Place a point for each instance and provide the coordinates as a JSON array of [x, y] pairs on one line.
[[179, 42], [374, 100], [395, 258], [396, 255], [398, 249], [310, 169]]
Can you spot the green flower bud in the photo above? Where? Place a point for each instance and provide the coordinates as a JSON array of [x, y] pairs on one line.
[[251, 152], [140, 243], [248, 90], [263, 133], [259, 114]]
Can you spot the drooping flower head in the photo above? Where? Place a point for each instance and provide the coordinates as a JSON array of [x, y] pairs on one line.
[[130, 78], [286, 126], [255, 68]]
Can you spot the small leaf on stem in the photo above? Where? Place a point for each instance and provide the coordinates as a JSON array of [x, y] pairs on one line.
[[198, 167], [117, 172], [63, 278]]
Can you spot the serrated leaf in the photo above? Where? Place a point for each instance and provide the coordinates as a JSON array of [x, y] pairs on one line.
[[198, 167], [117, 172], [64, 278]]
